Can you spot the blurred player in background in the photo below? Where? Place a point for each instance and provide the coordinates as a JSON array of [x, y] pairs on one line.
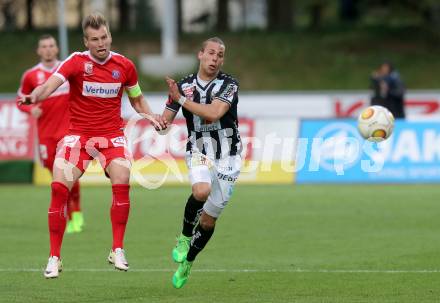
[[209, 104], [388, 89], [52, 118], [97, 80]]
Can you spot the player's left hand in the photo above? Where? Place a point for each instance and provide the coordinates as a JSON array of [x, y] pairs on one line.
[[173, 90], [159, 122]]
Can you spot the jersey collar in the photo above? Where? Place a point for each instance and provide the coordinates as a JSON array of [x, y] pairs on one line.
[[99, 62], [49, 70]]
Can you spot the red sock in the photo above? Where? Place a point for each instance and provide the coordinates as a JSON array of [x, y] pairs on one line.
[[119, 213], [57, 217], [74, 201]]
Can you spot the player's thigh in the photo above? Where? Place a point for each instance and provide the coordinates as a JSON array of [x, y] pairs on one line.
[[227, 172], [71, 159], [200, 176]]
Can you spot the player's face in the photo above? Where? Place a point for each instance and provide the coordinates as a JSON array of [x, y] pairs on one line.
[[98, 42], [211, 58], [47, 50]]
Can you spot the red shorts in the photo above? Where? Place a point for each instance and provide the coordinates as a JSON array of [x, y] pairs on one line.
[[47, 148], [80, 150]]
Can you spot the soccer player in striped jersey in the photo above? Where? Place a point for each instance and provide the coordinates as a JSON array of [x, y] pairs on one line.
[[52, 118], [208, 100], [97, 80]]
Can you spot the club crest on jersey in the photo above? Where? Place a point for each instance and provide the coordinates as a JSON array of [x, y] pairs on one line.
[[115, 74], [40, 78], [88, 68], [188, 92]]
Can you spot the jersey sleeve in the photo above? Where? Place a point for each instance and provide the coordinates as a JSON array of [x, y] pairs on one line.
[[67, 68], [228, 92], [26, 87], [174, 106], [132, 76]]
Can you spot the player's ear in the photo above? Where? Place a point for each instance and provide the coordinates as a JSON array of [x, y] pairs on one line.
[[200, 54], [85, 41]]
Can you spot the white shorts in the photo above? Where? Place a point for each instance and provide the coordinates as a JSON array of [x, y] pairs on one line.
[[221, 174]]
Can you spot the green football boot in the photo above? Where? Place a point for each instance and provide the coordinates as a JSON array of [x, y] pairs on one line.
[[181, 249], [70, 227], [78, 219], [182, 274]]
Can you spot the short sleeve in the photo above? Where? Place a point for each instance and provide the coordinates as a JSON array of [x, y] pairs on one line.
[[228, 93], [26, 87], [132, 76], [67, 68]]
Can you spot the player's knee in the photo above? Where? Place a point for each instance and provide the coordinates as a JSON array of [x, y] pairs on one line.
[[120, 176], [201, 191], [207, 222]]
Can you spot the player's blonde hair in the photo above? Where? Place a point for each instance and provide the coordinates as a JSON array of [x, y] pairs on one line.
[[95, 21], [213, 39]]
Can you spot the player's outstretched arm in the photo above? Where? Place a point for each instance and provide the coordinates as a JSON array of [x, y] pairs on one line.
[[42, 91], [141, 106], [212, 112]]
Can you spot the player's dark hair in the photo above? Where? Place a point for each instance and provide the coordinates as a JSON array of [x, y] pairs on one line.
[[213, 39], [45, 37], [95, 21]]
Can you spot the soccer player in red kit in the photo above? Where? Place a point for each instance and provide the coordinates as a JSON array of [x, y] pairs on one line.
[[52, 117], [97, 79]]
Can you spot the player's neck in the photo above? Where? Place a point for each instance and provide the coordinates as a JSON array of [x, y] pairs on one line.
[[49, 64], [203, 76]]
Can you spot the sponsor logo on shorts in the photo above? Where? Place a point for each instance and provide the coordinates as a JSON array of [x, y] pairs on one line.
[[101, 90], [71, 140], [118, 141], [224, 177]]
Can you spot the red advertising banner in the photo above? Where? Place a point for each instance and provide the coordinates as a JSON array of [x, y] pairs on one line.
[[415, 106], [16, 133], [146, 141]]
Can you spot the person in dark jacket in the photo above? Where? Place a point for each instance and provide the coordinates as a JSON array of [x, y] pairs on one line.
[[388, 89]]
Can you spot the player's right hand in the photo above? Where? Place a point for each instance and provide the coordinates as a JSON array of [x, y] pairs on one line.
[[27, 100]]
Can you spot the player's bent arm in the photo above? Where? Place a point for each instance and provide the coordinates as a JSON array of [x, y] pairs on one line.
[[169, 115], [44, 90], [212, 112], [141, 106]]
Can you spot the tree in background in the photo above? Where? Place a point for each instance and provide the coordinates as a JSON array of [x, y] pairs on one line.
[[29, 18], [222, 16], [280, 14], [348, 10], [124, 15]]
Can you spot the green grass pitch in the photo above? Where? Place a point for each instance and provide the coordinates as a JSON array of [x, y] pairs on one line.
[[351, 243]]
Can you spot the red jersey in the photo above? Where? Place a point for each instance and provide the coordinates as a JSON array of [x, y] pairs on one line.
[[54, 121], [96, 90]]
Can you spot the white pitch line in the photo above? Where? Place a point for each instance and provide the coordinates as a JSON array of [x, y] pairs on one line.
[[330, 271]]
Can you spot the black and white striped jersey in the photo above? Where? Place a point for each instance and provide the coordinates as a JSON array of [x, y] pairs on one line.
[[217, 139]]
